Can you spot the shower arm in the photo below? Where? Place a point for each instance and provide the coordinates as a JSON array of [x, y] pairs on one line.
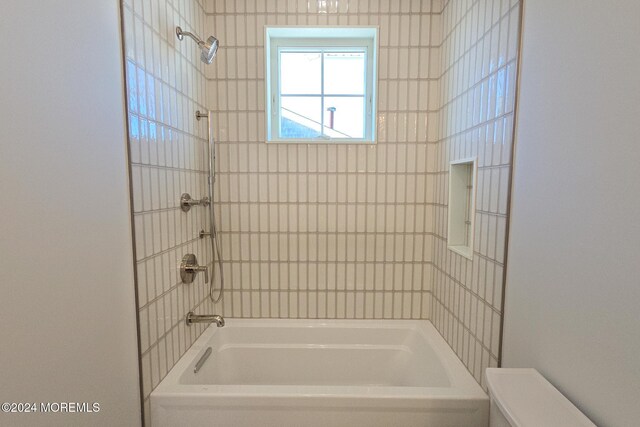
[[181, 35]]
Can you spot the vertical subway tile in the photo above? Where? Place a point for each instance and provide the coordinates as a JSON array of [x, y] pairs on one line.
[[313, 230]]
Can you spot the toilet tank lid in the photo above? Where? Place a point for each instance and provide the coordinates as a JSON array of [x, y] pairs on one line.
[[527, 399]]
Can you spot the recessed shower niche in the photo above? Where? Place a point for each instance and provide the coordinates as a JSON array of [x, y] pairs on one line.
[[462, 203]]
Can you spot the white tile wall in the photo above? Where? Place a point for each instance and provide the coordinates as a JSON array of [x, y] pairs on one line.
[[321, 231], [479, 50], [168, 156], [327, 231]]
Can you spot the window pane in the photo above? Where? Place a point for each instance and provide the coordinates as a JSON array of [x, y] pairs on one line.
[[300, 73], [344, 73], [348, 117], [300, 116]]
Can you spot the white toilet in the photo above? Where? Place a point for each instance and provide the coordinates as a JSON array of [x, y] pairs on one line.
[[524, 398]]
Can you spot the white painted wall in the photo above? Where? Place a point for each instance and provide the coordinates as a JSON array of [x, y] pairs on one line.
[[573, 284], [67, 309]]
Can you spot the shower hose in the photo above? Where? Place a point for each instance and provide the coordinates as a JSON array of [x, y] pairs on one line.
[[215, 240]]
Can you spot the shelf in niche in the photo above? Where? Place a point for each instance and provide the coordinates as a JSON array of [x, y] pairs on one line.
[[462, 206]]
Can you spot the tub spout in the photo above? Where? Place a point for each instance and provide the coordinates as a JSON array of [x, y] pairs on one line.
[[204, 318]]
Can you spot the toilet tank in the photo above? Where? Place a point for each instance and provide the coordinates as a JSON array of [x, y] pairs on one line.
[[524, 398]]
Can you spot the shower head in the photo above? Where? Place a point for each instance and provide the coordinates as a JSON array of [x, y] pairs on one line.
[[208, 49]]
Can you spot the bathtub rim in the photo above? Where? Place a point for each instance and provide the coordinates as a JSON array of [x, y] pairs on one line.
[[463, 386]]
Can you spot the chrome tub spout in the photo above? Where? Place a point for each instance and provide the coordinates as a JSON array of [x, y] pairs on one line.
[[204, 318]]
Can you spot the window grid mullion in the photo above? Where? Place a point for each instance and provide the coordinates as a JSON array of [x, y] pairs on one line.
[[322, 92], [332, 95]]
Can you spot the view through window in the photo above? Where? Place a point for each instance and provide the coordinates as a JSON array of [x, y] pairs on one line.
[[322, 93], [321, 88]]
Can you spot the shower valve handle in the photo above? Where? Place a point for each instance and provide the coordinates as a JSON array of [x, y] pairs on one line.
[[205, 269], [186, 202], [189, 268], [197, 269]]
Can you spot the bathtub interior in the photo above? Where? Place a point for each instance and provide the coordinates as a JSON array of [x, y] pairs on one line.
[[324, 354], [315, 373]]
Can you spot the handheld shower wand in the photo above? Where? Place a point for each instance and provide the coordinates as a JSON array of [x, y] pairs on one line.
[[213, 234]]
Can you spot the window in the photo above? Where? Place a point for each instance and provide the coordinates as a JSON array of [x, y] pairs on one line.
[[320, 84]]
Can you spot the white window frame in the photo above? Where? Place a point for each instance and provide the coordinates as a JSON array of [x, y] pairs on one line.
[[332, 39]]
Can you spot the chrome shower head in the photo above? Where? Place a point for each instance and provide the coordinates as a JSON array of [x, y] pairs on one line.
[[208, 48]]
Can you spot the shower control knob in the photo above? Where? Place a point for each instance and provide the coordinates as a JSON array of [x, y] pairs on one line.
[[189, 268], [186, 202]]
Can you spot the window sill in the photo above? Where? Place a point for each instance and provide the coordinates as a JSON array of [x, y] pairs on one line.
[[321, 141]]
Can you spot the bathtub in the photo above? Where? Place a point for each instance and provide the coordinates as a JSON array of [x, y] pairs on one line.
[[309, 373]]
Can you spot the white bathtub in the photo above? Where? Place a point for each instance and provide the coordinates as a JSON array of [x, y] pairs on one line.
[[320, 373]]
